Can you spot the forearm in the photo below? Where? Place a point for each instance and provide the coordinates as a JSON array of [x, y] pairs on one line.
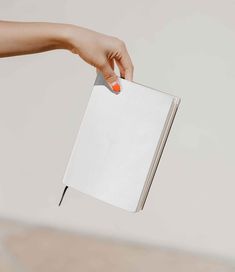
[[99, 50], [17, 38]]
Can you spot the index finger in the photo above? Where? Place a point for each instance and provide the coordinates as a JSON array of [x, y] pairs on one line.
[[125, 64]]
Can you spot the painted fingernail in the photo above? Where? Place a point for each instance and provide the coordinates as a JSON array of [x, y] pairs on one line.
[[116, 87]]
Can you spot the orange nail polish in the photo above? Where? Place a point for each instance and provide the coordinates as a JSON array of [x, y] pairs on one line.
[[116, 87]]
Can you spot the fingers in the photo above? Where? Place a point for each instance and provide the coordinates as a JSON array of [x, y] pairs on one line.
[[124, 63], [121, 69], [110, 76], [111, 63]]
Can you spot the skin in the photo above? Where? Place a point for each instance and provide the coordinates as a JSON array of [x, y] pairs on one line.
[[99, 50]]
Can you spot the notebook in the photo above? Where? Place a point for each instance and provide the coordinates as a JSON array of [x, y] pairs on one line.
[[120, 142]]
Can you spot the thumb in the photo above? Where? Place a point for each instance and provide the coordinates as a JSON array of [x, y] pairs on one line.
[[110, 77]]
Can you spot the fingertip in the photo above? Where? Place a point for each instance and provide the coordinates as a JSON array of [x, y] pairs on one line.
[[129, 75]]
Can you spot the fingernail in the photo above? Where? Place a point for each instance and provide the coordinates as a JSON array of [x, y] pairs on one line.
[[116, 87]]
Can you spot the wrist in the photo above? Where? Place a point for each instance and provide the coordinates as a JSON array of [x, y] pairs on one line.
[[66, 35]]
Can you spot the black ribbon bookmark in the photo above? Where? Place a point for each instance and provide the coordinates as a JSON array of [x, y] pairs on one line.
[[62, 197]]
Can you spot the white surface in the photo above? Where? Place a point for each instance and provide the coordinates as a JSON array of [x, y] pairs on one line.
[[184, 47], [117, 141]]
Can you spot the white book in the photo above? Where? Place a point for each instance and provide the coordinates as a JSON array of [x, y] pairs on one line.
[[120, 142]]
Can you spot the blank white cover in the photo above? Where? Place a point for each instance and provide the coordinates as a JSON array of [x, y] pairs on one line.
[[116, 142]]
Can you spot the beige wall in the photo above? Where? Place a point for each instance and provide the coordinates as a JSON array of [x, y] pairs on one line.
[[184, 47]]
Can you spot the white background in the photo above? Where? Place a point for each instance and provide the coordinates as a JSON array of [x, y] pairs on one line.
[[184, 47]]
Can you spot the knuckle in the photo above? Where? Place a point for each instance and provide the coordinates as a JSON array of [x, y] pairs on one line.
[[120, 43]]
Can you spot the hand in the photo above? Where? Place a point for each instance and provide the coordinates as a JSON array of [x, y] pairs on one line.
[[102, 52], [99, 50]]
